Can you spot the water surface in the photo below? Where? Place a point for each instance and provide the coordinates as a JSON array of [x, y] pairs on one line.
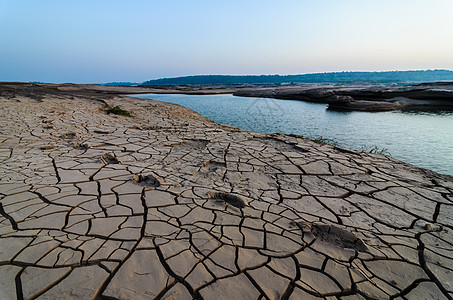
[[424, 139]]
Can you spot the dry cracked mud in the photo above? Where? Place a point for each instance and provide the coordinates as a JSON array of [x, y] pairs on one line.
[[170, 205]]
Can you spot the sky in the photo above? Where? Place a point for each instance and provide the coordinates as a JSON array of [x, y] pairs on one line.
[[104, 41]]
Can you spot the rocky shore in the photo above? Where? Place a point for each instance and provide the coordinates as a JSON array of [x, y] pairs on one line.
[[166, 204], [426, 96], [367, 98]]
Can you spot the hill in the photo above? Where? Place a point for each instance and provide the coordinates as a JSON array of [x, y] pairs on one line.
[[339, 77]]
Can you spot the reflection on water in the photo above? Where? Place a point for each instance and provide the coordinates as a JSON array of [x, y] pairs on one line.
[[428, 112], [423, 138]]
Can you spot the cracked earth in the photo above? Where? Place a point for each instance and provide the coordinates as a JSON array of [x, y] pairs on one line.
[[170, 205]]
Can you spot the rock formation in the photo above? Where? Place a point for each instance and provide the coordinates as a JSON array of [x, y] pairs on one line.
[[364, 98]]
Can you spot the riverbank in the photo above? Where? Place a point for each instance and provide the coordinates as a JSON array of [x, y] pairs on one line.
[[421, 138], [426, 96], [170, 204]]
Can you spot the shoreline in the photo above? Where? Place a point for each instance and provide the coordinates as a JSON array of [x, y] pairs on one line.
[[372, 128], [352, 98], [171, 204], [370, 98]]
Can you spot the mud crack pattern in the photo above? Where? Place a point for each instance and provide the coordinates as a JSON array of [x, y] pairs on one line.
[[169, 205]]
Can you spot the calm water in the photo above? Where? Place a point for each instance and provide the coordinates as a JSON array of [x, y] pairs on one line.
[[424, 139]]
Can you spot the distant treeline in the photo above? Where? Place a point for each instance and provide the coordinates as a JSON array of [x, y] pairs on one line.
[[121, 83], [376, 77]]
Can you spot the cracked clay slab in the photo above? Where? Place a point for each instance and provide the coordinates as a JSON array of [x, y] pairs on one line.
[[170, 205]]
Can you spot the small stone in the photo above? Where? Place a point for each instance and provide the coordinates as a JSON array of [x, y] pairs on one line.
[[47, 147], [69, 135], [110, 158], [148, 180], [85, 146], [228, 198], [102, 131]]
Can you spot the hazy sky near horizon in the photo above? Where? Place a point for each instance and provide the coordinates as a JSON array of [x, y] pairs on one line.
[[102, 41]]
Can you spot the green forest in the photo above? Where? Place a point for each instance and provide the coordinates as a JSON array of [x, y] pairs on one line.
[[401, 77]]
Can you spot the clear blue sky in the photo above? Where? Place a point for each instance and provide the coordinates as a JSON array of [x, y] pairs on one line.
[[102, 41]]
